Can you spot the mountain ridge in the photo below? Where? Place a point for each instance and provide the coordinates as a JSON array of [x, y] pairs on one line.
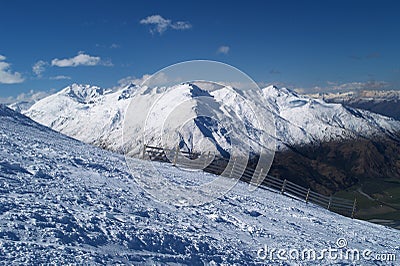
[[381, 102], [300, 120]]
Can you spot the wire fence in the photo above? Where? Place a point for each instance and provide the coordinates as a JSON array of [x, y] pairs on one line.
[[239, 168]]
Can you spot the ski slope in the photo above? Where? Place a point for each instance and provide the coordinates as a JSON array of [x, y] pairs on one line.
[[66, 202]]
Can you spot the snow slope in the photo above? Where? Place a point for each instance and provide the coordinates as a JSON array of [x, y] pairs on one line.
[[62, 201], [97, 117]]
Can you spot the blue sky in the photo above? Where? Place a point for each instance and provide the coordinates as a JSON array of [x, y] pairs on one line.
[[309, 45]]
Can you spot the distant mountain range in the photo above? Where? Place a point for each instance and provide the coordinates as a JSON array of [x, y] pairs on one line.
[[382, 102]]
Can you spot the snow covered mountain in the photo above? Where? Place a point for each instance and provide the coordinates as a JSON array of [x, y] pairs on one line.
[[96, 116], [376, 95], [381, 102], [66, 202], [304, 120], [21, 106], [25, 100], [87, 113]]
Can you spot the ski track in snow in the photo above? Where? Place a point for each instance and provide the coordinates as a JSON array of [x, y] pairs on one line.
[[62, 201]]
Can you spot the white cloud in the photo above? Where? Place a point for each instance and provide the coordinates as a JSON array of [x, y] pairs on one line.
[[34, 95], [81, 59], [39, 67], [223, 49], [160, 24], [158, 79], [331, 83], [111, 46], [60, 77], [6, 100], [115, 46], [133, 80], [26, 100], [181, 25], [369, 85], [344, 87], [6, 75], [300, 91]]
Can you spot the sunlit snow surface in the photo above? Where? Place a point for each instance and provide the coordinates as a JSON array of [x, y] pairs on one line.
[[299, 120], [62, 201]]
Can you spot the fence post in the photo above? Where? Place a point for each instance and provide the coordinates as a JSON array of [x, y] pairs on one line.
[[206, 160], [144, 151], [260, 175], [330, 202], [308, 195], [354, 208], [176, 155], [233, 166], [283, 186]]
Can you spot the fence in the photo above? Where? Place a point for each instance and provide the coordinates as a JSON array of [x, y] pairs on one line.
[[238, 168]]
